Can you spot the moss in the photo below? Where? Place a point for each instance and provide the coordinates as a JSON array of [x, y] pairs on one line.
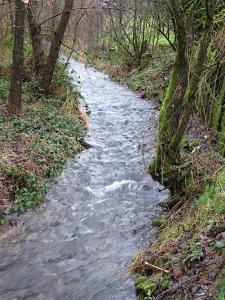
[[168, 153], [222, 136], [169, 92], [163, 172], [206, 209], [218, 109]]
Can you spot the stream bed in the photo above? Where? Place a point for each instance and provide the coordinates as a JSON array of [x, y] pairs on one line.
[[78, 244]]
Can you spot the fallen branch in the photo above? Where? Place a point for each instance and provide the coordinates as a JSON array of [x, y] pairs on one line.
[[156, 267]]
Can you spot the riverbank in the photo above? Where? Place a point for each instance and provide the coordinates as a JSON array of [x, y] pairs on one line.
[[188, 258], [97, 210], [151, 79], [36, 145]]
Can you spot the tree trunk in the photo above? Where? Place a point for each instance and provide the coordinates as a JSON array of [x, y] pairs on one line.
[[55, 47], [178, 104], [36, 39], [167, 150], [11, 15], [15, 92], [196, 71]]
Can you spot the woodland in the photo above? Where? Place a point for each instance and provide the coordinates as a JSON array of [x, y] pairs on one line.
[[172, 53]]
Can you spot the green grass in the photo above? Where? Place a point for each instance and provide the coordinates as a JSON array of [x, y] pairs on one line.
[[207, 208], [221, 288]]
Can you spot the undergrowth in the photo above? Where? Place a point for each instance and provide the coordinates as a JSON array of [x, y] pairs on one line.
[[221, 288], [189, 250], [152, 80], [36, 145], [149, 78]]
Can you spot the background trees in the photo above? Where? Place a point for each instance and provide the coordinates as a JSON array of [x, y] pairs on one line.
[[55, 47], [43, 69], [134, 33], [40, 128]]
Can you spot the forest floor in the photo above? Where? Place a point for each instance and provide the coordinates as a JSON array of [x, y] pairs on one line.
[[187, 258], [36, 145]]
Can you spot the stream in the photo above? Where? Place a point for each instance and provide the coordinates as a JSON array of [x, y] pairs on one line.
[[97, 215]]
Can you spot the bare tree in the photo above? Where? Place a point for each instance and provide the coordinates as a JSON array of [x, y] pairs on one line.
[[132, 29], [36, 37], [55, 47]]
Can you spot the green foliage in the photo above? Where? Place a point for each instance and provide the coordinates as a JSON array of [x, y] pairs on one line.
[[53, 137], [180, 245], [144, 81], [62, 77], [212, 200], [207, 208], [4, 89], [46, 136], [187, 144], [6, 46], [8, 42], [194, 254], [27, 48], [169, 233], [145, 288], [165, 281], [151, 80], [31, 90], [221, 288], [29, 189]]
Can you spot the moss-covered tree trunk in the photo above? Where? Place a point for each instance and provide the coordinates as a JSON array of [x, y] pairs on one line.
[[167, 149], [219, 109], [180, 97], [220, 125]]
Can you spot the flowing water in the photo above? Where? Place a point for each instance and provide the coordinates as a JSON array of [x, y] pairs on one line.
[[97, 215]]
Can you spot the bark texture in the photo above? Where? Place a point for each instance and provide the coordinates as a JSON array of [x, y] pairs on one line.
[[15, 92], [11, 14], [55, 47], [36, 38]]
